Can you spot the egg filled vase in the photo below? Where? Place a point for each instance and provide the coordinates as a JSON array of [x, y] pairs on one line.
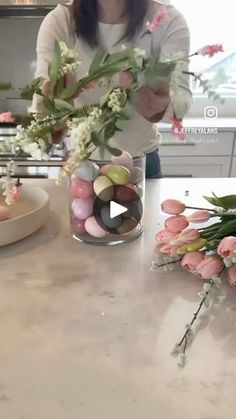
[[107, 200]]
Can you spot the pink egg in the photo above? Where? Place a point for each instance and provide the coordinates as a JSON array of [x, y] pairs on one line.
[[82, 208], [125, 159], [125, 193], [81, 188], [94, 229], [4, 213], [78, 226], [104, 169]]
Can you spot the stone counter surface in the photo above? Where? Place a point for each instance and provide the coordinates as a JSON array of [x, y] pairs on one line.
[[86, 332]]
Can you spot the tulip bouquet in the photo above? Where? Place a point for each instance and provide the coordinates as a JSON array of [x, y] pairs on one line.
[[209, 252]]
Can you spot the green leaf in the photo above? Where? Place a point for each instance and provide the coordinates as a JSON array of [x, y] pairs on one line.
[[71, 91], [226, 202], [114, 151], [62, 105], [100, 56], [55, 66], [28, 91], [5, 86], [96, 140]]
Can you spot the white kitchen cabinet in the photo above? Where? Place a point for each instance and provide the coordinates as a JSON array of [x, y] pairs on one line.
[[199, 167], [233, 169], [220, 144]]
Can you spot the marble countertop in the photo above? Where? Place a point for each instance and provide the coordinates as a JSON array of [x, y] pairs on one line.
[[86, 332]]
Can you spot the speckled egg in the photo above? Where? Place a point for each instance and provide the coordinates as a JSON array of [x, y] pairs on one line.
[[87, 171], [127, 226], [4, 213], [103, 187], [78, 226], [125, 159], [81, 188], [137, 175], [82, 208], [104, 169], [119, 175], [94, 229], [126, 193], [111, 223]]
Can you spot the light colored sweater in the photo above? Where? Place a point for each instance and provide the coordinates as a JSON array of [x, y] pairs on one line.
[[171, 37]]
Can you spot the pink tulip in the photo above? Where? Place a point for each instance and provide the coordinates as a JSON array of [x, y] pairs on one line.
[[199, 216], [164, 236], [191, 260], [210, 50], [232, 276], [173, 207], [176, 224], [227, 246], [209, 267], [185, 237], [169, 250]]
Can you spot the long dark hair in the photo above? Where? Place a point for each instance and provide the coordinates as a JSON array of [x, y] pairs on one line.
[[85, 15]]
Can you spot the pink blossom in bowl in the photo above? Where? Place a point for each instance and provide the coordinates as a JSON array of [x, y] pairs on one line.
[[6, 117]]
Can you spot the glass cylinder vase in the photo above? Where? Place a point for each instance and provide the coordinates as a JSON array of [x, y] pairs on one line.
[[107, 200]]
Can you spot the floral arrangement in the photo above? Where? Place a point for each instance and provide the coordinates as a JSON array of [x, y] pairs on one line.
[[92, 127], [208, 252]]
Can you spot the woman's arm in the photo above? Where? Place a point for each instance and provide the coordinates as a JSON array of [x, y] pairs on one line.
[[56, 26], [173, 37]]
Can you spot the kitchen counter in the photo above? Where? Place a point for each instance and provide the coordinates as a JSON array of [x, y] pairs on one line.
[[86, 332]]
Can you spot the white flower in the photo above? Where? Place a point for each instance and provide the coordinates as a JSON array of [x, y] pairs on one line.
[[206, 287], [140, 52], [114, 101]]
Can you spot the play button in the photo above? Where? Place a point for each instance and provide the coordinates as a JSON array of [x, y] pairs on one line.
[[122, 213], [116, 209]]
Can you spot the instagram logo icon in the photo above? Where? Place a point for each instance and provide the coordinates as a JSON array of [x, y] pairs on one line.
[[210, 112]]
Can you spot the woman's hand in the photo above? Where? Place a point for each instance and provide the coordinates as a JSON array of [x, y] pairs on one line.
[[151, 105]]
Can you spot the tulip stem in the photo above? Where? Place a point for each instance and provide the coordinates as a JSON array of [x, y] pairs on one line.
[[200, 209]]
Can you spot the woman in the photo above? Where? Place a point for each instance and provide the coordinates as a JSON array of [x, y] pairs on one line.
[[86, 24]]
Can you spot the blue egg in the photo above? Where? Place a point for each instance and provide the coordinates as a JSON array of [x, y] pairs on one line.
[[109, 222], [88, 171]]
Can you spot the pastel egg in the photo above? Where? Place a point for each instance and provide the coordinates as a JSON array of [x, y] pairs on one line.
[[82, 208], [104, 169], [4, 213], [111, 223], [127, 226], [119, 175], [78, 226], [103, 187], [137, 175], [94, 229], [81, 188], [125, 159], [135, 210], [87, 171], [126, 193]]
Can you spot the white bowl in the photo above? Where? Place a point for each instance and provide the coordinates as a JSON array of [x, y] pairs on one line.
[[27, 215]]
